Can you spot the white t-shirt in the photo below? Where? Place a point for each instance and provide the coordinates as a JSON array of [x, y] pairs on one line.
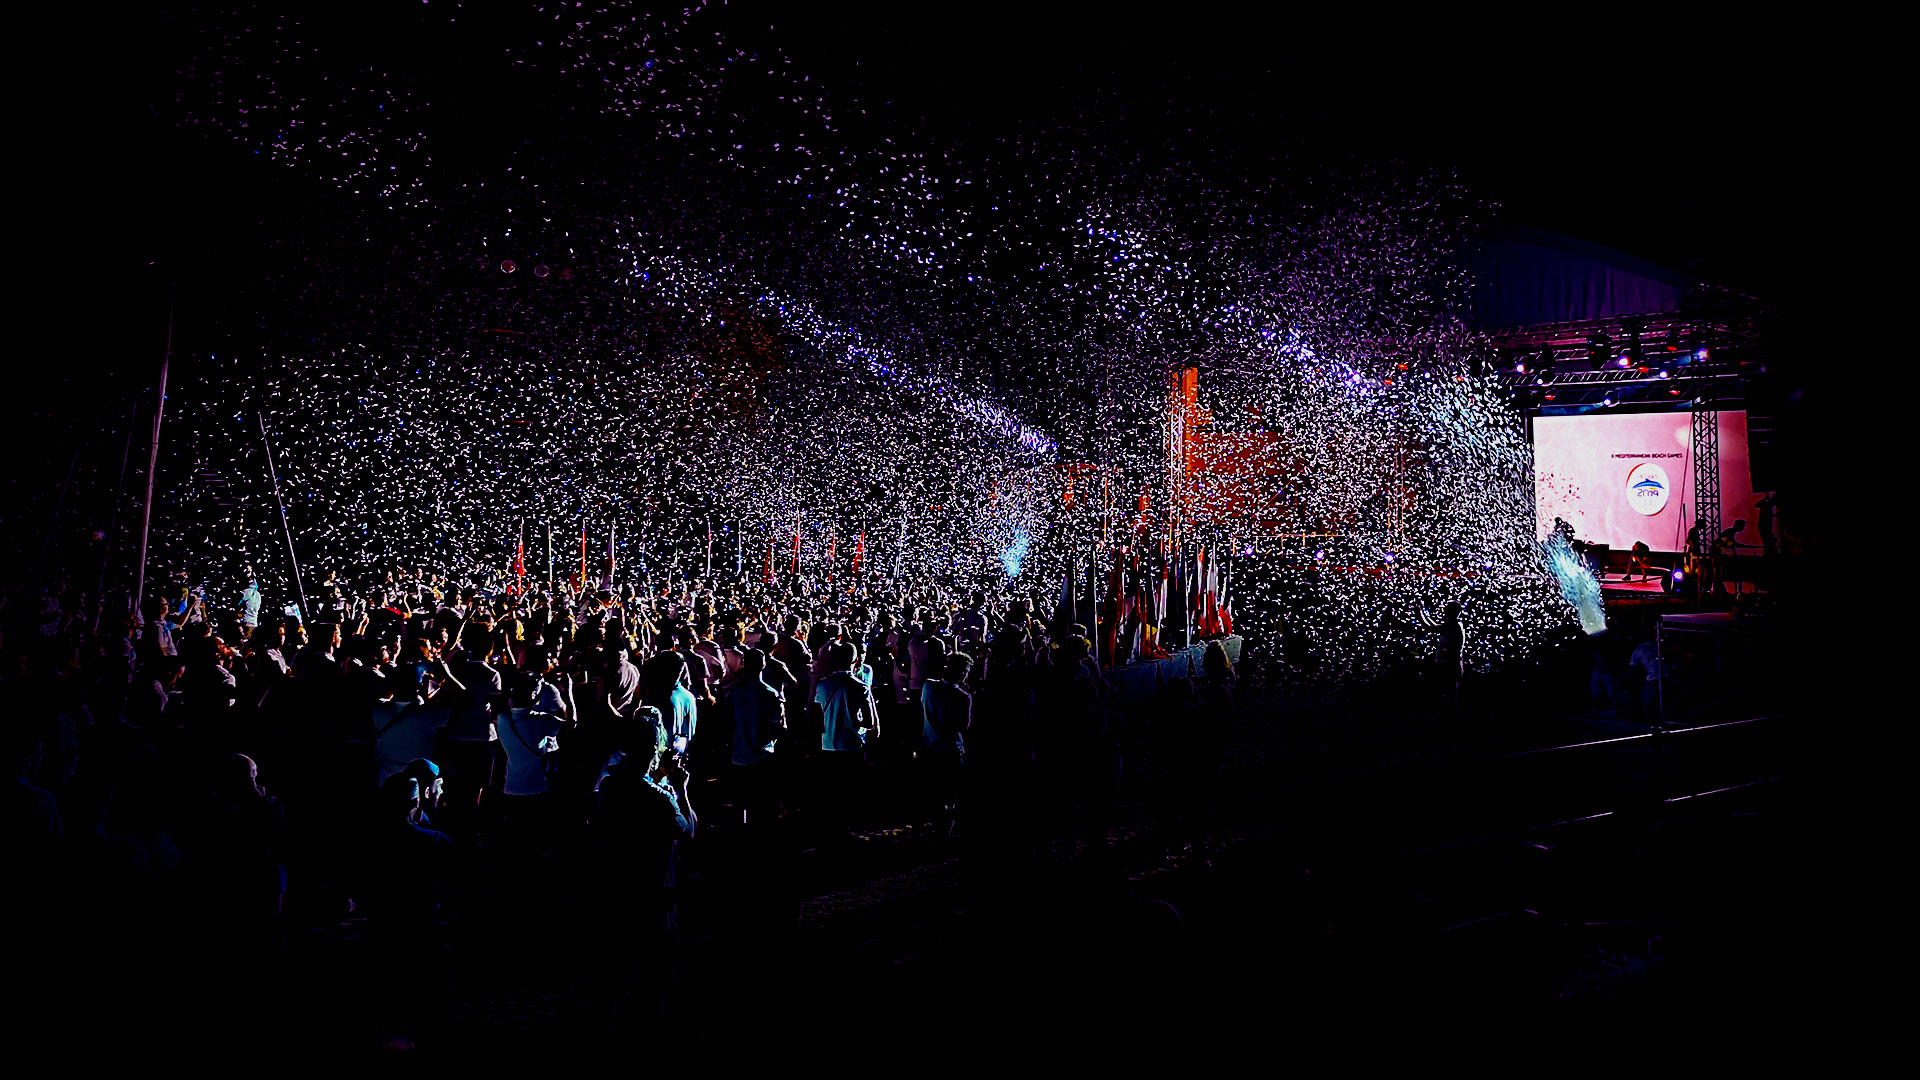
[[528, 737]]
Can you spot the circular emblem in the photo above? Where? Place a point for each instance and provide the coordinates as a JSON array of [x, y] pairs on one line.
[[1647, 488]]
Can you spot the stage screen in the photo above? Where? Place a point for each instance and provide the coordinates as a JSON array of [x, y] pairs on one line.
[[1621, 477]]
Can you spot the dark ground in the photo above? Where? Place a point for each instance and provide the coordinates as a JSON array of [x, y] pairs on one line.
[[1353, 867]]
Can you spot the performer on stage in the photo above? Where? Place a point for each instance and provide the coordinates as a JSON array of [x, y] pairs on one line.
[[1769, 542], [1725, 547], [1637, 560]]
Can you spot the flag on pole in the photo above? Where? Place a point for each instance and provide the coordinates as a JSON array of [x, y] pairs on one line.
[[1113, 604], [1063, 616], [1153, 612], [833, 541], [1226, 599], [859, 550], [769, 577], [583, 553], [794, 567], [520, 558]]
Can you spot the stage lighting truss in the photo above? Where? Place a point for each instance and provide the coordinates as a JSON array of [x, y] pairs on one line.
[[1645, 360]]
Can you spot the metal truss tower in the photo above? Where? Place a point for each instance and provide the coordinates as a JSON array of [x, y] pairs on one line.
[[1706, 467]]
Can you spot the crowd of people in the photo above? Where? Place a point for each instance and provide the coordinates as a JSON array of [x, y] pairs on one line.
[[200, 764]]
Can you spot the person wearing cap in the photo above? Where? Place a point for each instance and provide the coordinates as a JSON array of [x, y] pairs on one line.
[[433, 787]]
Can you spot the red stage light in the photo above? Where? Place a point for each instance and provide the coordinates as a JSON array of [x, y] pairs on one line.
[[507, 267]]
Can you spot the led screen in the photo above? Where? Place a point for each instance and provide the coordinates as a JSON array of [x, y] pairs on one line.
[[1618, 478]]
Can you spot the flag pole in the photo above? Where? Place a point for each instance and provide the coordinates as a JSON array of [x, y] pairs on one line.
[[153, 465], [286, 530]]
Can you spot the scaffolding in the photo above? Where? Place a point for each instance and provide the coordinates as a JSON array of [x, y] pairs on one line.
[[1706, 469]]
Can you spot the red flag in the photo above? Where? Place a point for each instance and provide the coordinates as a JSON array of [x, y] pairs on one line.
[[833, 541], [859, 549], [520, 555], [795, 568], [769, 577], [1110, 633]]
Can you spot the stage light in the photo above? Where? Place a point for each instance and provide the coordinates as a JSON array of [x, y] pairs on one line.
[[1665, 374], [1607, 401], [1701, 354], [1625, 360], [1539, 380], [1598, 346], [541, 270], [1320, 556], [1389, 558], [1520, 367], [507, 266]]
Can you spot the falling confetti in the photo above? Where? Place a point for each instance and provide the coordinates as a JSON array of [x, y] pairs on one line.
[[756, 313]]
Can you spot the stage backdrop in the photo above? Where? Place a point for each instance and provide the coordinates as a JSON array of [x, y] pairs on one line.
[[1622, 477]]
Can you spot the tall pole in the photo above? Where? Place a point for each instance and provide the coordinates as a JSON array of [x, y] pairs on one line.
[[153, 464], [286, 530]]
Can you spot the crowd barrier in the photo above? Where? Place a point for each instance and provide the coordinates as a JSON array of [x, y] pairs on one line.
[[1141, 681]]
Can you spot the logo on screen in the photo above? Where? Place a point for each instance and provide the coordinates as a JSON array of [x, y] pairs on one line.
[[1647, 488]]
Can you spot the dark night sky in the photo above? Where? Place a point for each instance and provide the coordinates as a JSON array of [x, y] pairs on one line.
[[1681, 144]]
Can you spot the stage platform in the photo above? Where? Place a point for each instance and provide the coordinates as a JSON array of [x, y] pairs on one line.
[[1618, 583]]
